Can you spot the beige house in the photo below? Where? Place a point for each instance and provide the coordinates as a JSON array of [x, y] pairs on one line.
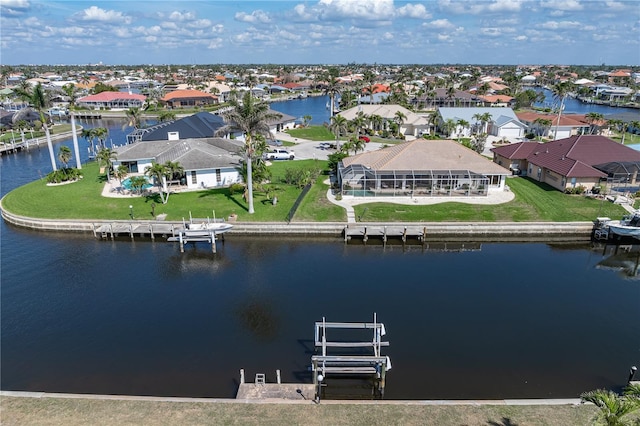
[[420, 168], [413, 125]]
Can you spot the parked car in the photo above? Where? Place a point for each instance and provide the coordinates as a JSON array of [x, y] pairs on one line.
[[279, 154], [365, 139]]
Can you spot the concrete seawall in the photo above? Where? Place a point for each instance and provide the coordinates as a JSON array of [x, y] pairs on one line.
[[542, 231]]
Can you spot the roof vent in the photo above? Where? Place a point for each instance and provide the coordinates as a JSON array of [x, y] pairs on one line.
[[562, 157]]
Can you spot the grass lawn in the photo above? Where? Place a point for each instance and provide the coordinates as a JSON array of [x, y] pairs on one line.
[[69, 412], [82, 200], [629, 138], [534, 202], [312, 133]]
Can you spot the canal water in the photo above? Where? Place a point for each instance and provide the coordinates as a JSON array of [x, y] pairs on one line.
[[498, 320]]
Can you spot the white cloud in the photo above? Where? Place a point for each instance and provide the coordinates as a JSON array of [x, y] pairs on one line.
[[362, 9], [199, 23], [416, 11], [496, 31], [439, 23], [180, 17], [476, 7], [562, 4], [520, 38], [615, 5], [216, 43], [14, 8], [255, 17], [562, 25], [97, 14]]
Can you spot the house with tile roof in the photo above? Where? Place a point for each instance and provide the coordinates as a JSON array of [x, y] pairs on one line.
[[420, 168], [570, 124], [188, 98], [581, 160], [413, 125], [504, 122], [112, 100]]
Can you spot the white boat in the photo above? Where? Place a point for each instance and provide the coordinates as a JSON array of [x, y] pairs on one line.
[[206, 228], [629, 226]]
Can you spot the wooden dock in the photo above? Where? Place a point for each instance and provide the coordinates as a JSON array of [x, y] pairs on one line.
[[385, 232], [260, 389], [133, 229]]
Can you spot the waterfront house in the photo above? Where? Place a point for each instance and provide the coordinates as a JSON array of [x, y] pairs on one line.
[[581, 160], [412, 126], [504, 122], [188, 98], [207, 162], [570, 124], [196, 126], [420, 168], [112, 100]]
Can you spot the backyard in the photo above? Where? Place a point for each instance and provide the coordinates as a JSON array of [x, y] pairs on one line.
[[82, 200]]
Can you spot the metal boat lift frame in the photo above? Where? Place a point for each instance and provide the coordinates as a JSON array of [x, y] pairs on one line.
[[374, 364]]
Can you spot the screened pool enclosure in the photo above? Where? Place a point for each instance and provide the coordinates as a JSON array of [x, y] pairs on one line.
[[360, 181]]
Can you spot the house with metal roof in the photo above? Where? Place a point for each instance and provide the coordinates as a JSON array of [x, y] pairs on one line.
[[581, 160], [504, 122], [420, 168], [196, 126], [207, 162]]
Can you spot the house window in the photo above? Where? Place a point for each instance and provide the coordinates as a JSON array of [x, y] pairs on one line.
[[573, 182], [194, 177], [218, 176]]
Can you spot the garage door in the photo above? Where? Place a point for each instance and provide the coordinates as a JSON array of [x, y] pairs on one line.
[[510, 132]]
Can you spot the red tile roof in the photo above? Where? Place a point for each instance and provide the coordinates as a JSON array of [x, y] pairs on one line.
[[571, 157], [188, 93], [565, 119], [110, 96]]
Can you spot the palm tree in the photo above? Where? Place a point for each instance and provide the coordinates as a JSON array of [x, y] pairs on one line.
[[399, 118], [339, 126], [166, 116], [478, 118], [560, 91], [121, 172], [485, 119], [612, 407], [448, 126], [101, 134], [543, 125], [593, 118], [90, 136], [174, 170], [158, 172], [105, 156], [369, 78], [40, 101], [251, 118], [332, 88], [134, 117], [72, 93], [462, 124], [64, 155]]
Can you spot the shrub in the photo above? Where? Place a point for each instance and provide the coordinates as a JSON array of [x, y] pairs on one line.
[[64, 175], [301, 177], [236, 188]]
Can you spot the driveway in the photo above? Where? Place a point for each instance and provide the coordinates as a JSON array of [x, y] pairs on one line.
[[308, 150]]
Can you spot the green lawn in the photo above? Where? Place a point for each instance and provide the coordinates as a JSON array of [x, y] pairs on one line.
[[83, 200], [56, 129], [313, 133], [533, 202]]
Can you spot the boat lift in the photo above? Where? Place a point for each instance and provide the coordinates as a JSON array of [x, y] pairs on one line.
[[374, 364]]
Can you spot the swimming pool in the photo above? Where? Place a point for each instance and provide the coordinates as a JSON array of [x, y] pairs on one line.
[[126, 184]]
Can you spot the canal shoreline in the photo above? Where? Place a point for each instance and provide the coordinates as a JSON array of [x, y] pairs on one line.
[[497, 231]]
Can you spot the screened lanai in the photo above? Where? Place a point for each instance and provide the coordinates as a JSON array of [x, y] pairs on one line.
[[360, 181]]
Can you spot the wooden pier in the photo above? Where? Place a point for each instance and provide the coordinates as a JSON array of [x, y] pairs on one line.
[[385, 232], [260, 389], [87, 115], [374, 365], [172, 232]]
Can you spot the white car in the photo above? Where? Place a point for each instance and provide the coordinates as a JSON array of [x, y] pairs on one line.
[[279, 154]]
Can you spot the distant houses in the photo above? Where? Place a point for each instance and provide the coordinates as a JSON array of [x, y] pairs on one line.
[[503, 122]]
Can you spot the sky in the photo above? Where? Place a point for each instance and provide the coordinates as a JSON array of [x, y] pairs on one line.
[[116, 32]]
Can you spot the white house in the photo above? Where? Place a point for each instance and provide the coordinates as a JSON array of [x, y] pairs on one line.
[[413, 125], [503, 121], [207, 162]]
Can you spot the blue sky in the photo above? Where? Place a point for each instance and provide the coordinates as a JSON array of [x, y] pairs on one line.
[[320, 31]]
